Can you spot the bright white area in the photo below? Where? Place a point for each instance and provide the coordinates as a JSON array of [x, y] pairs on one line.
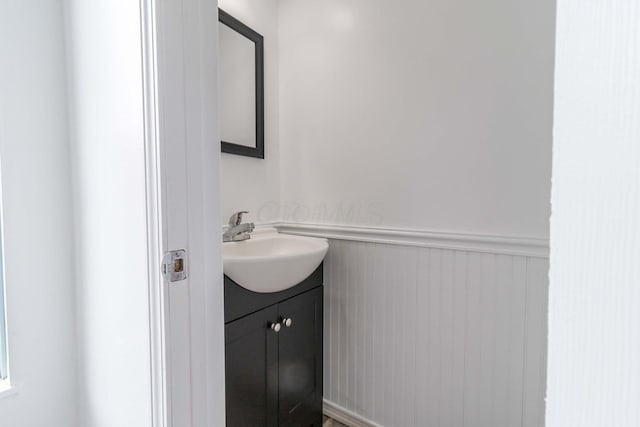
[[5, 388], [108, 160], [426, 115], [594, 320], [36, 199]]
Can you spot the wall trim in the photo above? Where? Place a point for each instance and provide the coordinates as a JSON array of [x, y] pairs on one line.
[[160, 394], [345, 416], [507, 245]]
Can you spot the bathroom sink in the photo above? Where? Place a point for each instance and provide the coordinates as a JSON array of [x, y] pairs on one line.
[[272, 261]]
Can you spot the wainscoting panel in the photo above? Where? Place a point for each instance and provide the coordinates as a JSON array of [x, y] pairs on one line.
[[418, 336]]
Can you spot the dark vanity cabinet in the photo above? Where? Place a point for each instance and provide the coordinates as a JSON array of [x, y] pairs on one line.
[[273, 355]]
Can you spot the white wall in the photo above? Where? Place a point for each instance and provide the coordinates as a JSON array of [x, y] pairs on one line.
[[424, 116], [108, 159], [248, 183], [594, 321], [417, 114], [36, 200]]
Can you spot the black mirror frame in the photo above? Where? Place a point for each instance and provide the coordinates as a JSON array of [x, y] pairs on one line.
[[258, 40]]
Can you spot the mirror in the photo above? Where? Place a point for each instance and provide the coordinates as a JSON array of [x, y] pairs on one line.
[[241, 88]]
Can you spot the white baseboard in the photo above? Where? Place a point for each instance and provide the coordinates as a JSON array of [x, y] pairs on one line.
[[345, 417]]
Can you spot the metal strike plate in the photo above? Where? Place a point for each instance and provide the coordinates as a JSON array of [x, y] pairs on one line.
[[174, 265]]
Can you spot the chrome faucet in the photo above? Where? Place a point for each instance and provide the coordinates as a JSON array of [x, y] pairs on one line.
[[237, 231]]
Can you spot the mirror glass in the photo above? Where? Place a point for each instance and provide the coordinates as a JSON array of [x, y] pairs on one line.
[[237, 94], [241, 88]]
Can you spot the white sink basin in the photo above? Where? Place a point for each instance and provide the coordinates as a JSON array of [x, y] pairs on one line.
[[271, 261]]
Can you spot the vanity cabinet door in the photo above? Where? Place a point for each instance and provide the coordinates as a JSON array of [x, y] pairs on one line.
[[251, 365], [300, 360]]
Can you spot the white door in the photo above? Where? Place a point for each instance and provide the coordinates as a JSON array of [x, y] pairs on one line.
[[180, 44]]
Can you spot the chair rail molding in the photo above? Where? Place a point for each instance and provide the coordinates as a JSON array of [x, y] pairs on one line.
[[504, 245]]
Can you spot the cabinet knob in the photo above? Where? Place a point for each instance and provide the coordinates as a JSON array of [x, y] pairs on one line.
[[276, 327], [287, 321]]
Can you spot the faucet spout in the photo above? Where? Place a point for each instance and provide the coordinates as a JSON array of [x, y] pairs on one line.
[[237, 231], [236, 218]]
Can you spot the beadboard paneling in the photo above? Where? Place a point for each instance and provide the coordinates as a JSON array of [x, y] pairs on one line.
[[434, 337]]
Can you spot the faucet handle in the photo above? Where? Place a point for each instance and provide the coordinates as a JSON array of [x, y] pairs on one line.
[[236, 218]]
